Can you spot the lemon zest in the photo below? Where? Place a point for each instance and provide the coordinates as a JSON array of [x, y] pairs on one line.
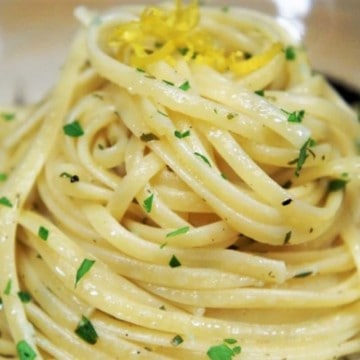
[[159, 34]]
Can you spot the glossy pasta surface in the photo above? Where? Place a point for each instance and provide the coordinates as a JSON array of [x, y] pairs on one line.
[[189, 189]]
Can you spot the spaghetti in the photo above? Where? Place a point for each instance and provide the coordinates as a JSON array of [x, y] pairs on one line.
[[188, 190]]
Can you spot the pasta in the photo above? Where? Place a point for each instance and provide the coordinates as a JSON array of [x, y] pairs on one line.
[[188, 190]]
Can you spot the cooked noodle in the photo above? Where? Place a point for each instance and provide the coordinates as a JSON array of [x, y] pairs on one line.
[[189, 188]]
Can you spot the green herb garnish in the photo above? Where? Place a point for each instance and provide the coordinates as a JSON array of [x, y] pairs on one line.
[[337, 184], [177, 340], [185, 86], [43, 233], [86, 331], [230, 116], [3, 177], [260, 92], [73, 129], [5, 201], [290, 53], [181, 135], [25, 351], [303, 274], [303, 154], [295, 116], [203, 158], [8, 286], [287, 237], [182, 230], [183, 51], [8, 116], [148, 202], [224, 351], [148, 137], [168, 82], [24, 296], [85, 266], [174, 262], [162, 113]]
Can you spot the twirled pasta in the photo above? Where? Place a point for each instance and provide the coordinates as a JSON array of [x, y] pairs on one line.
[[189, 189]]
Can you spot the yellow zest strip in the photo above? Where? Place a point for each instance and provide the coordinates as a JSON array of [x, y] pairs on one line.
[[161, 35]]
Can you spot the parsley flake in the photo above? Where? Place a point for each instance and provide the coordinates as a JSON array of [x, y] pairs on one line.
[[181, 135], [168, 82], [224, 351], [85, 266], [290, 53], [73, 129], [3, 177], [148, 202], [185, 86], [177, 340], [295, 116], [5, 201], [86, 331], [303, 154], [183, 51], [337, 184], [8, 116], [174, 262], [182, 230], [230, 116], [287, 237], [260, 92], [203, 158], [43, 233], [25, 351], [148, 137], [72, 178], [24, 296], [8, 286], [303, 274]]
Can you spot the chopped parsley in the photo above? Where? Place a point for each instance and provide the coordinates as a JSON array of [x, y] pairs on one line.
[[72, 178], [162, 113], [148, 137], [177, 340], [287, 237], [337, 184], [8, 286], [290, 53], [183, 51], [230, 116], [43, 233], [86, 331], [8, 116], [5, 201], [174, 262], [203, 158], [85, 266], [73, 129], [303, 154], [3, 177], [303, 274], [168, 82], [181, 135], [295, 116], [225, 9], [182, 230], [24, 296], [140, 70], [25, 351], [185, 86], [260, 92], [148, 202], [224, 351]]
